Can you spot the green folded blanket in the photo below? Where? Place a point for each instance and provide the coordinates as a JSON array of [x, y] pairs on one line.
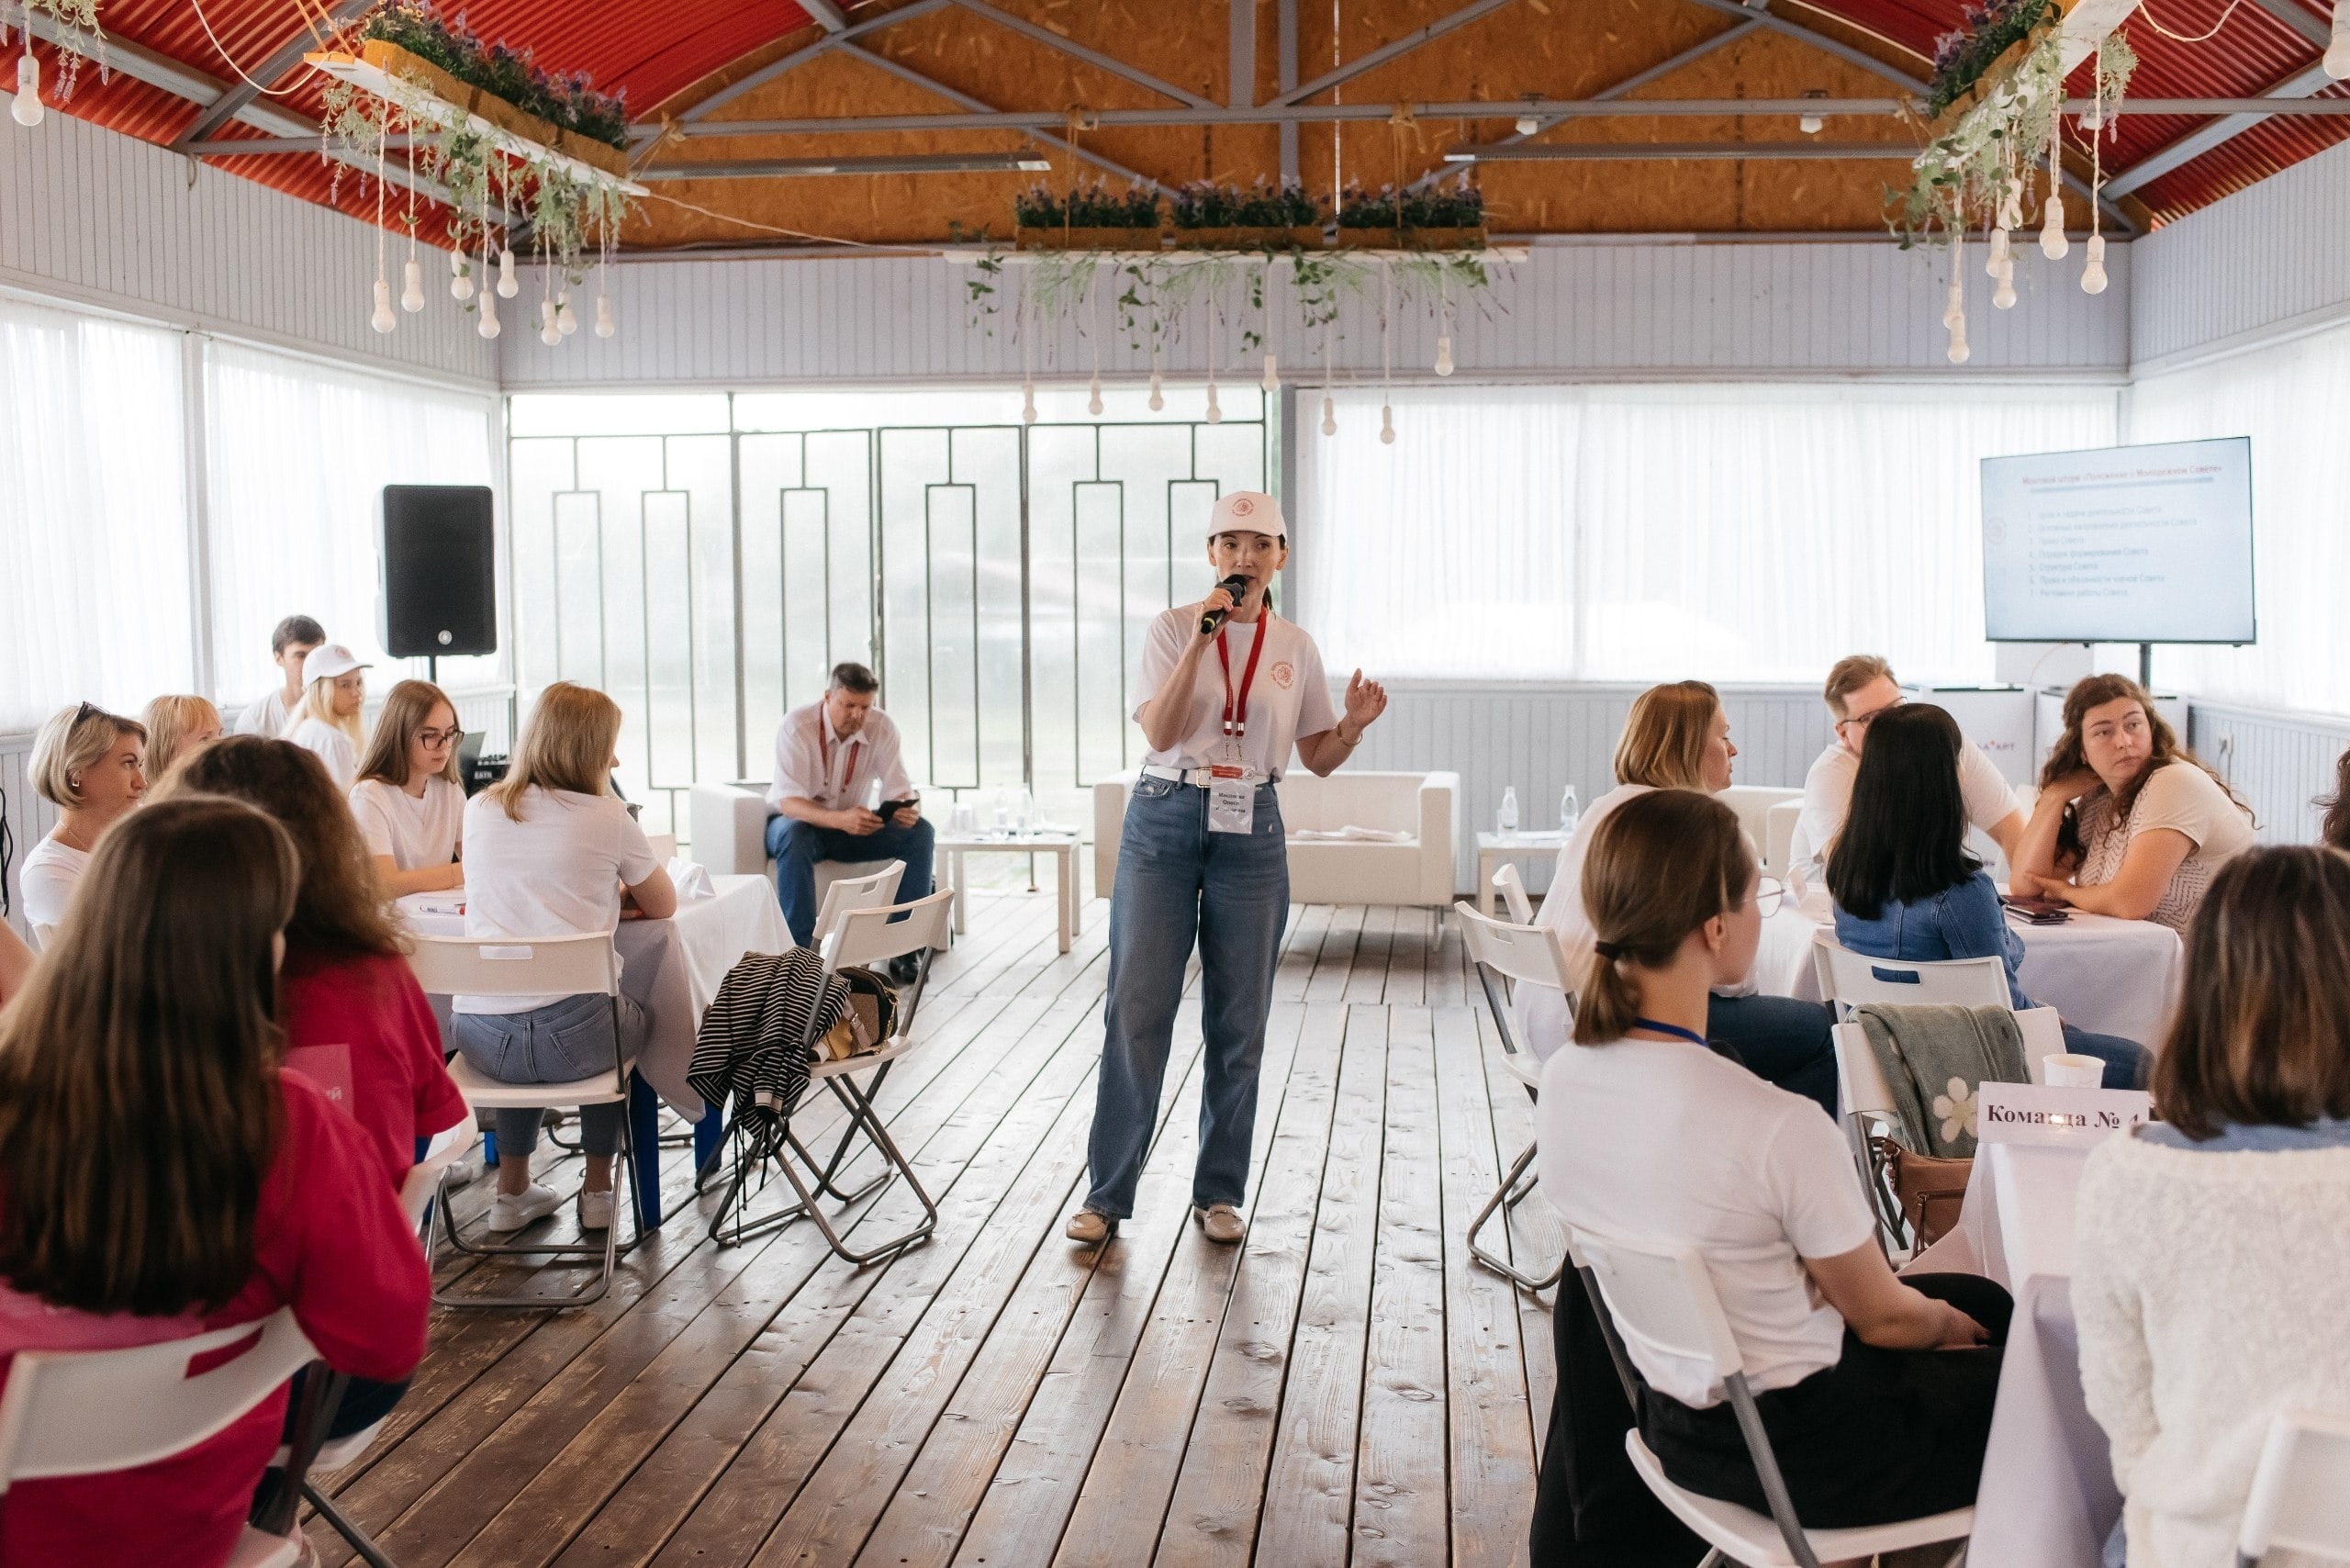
[[1935, 1059]]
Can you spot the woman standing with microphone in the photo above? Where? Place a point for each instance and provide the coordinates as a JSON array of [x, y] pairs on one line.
[[1202, 856]]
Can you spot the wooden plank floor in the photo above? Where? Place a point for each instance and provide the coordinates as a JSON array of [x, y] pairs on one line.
[[1346, 1388]]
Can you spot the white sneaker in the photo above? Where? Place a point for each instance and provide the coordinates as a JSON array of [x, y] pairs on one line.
[[596, 1210], [512, 1210]]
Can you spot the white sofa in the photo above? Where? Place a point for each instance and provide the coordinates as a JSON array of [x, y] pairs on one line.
[[1768, 816], [1420, 871], [730, 835]]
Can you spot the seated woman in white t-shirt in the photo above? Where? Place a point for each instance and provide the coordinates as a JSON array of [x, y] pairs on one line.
[[1677, 737], [334, 692], [2129, 822], [1877, 1393], [548, 851], [409, 801], [90, 765]]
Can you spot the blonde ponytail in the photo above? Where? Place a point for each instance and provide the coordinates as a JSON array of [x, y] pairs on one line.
[[1660, 865]]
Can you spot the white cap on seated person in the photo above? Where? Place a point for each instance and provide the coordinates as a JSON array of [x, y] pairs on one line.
[[330, 659]]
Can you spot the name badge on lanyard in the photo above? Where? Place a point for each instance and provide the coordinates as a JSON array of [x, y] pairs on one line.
[[1232, 800]]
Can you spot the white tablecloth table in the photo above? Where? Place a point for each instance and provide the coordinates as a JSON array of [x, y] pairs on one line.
[[2047, 1498], [2108, 976], [672, 968]]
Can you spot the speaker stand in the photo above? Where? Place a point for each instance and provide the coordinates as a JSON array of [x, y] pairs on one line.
[[432, 668]]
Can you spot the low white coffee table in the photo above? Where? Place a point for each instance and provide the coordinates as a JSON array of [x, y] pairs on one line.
[[1061, 846], [1493, 849]]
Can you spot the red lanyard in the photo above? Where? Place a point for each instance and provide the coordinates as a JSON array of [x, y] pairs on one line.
[[824, 748], [1235, 715]]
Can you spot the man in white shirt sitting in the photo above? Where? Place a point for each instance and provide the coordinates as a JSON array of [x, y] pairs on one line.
[[289, 646], [829, 758], [1860, 687]]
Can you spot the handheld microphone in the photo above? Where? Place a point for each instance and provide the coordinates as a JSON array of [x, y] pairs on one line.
[[1235, 585]]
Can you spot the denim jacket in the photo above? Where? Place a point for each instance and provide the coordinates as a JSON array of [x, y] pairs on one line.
[[1961, 922]]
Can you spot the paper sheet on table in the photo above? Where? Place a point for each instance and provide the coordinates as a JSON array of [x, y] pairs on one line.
[[691, 879], [1349, 835]]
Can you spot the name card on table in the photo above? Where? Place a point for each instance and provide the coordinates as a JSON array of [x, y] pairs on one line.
[[2062, 1119]]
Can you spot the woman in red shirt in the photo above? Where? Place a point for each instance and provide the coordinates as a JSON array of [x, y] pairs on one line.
[[355, 1020], [159, 1177]]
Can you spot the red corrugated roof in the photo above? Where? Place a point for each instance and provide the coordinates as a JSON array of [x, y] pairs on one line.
[[653, 51]]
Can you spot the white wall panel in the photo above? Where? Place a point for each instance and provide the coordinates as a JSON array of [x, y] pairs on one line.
[[1614, 310], [2266, 263], [2280, 763], [107, 219]]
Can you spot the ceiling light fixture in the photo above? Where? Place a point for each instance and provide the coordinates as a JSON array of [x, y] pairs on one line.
[[1810, 123], [901, 163], [1577, 151]]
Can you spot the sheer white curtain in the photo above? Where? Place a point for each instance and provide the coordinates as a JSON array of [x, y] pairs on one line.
[[2294, 402], [298, 454], [93, 517], [1738, 532]]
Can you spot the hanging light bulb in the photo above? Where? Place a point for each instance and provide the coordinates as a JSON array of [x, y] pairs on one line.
[[1959, 353], [2337, 51], [1527, 125], [549, 333], [1329, 415], [2053, 243], [382, 320], [489, 327], [508, 286], [1158, 398], [1386, 425], [1955, 309], [1272, 374], [566, 316], [1998, 256], [1444, 356], [604, 326], [1027, 402], [2093, 274], [1810, 123], [412, 295], [1094, 394], [1215, 414], [2004, 296], [461, 279], [27, 109]]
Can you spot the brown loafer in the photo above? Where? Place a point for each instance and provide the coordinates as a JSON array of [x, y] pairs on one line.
[[1220, 1223], [1090, 1227]]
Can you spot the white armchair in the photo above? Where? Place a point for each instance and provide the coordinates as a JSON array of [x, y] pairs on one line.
[[730, 835], [1419, 870]]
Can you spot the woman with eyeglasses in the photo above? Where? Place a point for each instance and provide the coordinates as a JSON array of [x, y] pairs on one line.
[[409, 801], [2130, 821], [90, 765], [1905, 885], [1677, 737]]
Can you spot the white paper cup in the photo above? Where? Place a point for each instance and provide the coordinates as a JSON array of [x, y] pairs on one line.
[[2067, 1070]]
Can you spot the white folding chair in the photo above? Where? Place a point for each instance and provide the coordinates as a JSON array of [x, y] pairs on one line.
[[1661, 1298], [1851, 979], [863, 937], [846, 894], [1512, 887], [2300, 1493], [538, 965], [90, 1411], [1517, 955]]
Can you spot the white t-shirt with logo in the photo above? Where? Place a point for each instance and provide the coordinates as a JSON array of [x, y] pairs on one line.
[[47, 879], [557, 872], [1291, 696], [415, 830], [1664, 1141], [1827, 801], [335, 749]]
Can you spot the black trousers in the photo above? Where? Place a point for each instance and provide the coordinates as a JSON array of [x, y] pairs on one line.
[[1881, 1436]]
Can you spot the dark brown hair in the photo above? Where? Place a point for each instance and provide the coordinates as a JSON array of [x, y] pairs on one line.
[[2336, 829], [1664, 744], [295, 629], [138, 1099], [851, 676], [2070, 757], [340, 907], [1904, 838], [2261, 1036], [1660, 865], [406, 708]]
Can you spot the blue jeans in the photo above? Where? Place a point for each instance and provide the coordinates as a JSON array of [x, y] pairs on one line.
[[1177, 883], [796, 847], [1781, 1041], [2126, 1062], [559, 1043]]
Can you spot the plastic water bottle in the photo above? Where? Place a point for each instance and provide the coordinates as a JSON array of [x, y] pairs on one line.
[[1508, 819], [1003, 811], [1024, 809], [1570, 812]]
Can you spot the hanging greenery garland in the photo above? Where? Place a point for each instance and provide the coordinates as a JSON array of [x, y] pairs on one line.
[[76, 36]]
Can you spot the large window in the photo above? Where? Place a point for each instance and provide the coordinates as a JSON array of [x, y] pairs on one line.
[[1750, 533], [708, 559], [2294, 402], [93, 523]]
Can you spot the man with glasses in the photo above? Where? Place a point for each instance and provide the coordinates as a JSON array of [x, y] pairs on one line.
[[1859, 688]]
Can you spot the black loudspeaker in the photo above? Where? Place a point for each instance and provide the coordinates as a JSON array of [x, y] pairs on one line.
[[439, 552]]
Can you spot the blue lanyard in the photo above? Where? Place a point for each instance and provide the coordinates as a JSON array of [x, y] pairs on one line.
[[1691, 1035]]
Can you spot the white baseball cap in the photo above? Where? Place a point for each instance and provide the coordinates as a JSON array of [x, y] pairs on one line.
[[1247, 511], [330, 659]]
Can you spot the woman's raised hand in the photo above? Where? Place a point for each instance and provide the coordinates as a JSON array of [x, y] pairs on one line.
[[1366, 701]]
